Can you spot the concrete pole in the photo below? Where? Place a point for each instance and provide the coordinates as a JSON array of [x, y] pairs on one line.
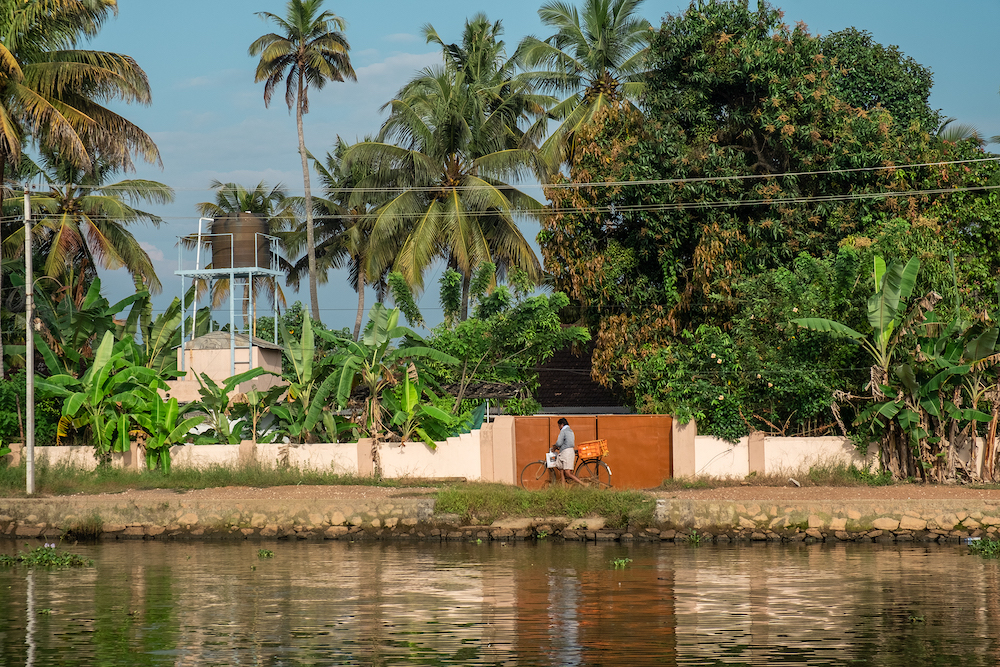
[[29, 347]]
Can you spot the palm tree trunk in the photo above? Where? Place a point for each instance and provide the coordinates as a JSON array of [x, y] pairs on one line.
[[361, 306], [466, 284], [310, 232]]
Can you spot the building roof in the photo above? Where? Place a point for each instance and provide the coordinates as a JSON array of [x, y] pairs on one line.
[[565, 384], [219, 340]]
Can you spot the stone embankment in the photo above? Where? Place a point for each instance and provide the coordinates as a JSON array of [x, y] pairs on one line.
[[414, 518]]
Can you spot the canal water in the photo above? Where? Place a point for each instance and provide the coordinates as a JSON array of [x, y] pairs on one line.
[[544, 603]]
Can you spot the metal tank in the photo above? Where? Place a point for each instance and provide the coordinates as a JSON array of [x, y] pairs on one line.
[[239, 240]]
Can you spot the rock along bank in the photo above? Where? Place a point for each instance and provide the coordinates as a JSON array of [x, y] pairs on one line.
[[415, 518]]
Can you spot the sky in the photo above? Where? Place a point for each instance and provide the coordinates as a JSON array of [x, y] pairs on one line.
[[209, 120]]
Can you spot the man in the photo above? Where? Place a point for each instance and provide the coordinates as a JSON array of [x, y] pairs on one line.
[[566, 459]]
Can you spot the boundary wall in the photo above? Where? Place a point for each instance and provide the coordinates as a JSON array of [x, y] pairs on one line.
[[644, 450]]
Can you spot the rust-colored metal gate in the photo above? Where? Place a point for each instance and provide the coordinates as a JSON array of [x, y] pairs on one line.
[[640, 446]]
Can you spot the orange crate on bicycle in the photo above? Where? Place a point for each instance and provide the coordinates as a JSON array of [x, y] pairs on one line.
[[593, 449]]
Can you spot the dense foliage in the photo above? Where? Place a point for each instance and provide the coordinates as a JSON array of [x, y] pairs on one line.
[[768, 175]]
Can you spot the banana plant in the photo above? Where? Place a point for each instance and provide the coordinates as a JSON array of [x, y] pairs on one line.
[[105, 397], [409, 416], [375, 363], [313, 381], [886, 314], [254, 409], [215, 402], [935, 402], [161, 428]]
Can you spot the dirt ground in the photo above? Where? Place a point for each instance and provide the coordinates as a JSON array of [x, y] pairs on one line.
[[735, 493]]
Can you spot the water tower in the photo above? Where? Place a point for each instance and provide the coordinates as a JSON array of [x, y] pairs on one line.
[[237, 248]]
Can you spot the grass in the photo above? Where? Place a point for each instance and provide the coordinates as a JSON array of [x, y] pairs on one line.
[[820, 474], [478, 502], [64, 480]]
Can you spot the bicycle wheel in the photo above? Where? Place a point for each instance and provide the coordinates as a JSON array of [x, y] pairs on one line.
[[535, 476], [595, 473]]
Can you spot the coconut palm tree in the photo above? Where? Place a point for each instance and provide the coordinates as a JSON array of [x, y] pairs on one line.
[[343, 229], [271, 204], [442, 166], [597, 57], [310, 51], [954, 132], [53, 94], [83, 223]]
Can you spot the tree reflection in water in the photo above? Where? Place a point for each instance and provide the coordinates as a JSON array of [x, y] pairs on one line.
[[545, 603]]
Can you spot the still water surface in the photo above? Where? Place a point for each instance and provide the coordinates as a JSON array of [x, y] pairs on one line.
[[341, 603]]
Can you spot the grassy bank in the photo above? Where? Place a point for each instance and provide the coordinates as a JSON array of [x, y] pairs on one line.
[[63, 480], [480, 503]]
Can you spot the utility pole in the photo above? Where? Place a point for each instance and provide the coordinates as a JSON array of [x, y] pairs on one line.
[[29, 346]]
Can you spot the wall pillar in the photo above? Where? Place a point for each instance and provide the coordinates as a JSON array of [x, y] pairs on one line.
[[755, 452], [248, 452], [504, 451], [366, 468], [683, 448], [14, 458]]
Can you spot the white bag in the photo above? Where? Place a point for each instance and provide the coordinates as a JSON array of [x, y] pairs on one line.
[[550, 459]]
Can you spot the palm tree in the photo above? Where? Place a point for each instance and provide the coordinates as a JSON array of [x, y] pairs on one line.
[[597, 57], [271, 204], [441, 167], [310, 51], [83, 223], [948, 130], [52, 93], [343, 229]]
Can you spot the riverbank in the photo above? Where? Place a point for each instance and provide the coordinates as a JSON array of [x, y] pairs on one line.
[[730, 514]]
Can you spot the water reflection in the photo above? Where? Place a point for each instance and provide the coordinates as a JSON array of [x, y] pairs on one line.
[[515, 604]]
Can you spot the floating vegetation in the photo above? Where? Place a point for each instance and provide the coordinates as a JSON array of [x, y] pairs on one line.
[[621, 563], [265, 553], [45, 556], [985, 548]]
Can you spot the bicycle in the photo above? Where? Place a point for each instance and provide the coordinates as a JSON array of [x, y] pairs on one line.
[[591, 469]]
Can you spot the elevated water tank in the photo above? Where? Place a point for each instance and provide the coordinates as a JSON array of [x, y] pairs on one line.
[[239, 241]]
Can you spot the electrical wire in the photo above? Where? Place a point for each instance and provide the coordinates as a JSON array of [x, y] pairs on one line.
[[603, 184]]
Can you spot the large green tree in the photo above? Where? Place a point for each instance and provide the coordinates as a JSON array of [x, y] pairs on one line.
[[444, 162], [308, 51], [876, 75], [748, 160]]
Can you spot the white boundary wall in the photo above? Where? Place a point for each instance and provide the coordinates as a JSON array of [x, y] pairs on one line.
[[461, 456], [771, 455], [714, 457]]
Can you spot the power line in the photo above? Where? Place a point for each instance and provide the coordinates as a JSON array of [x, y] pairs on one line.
[[603, 184], [661, 207]]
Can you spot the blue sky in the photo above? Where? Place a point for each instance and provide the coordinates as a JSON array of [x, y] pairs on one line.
[[209, 121]]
